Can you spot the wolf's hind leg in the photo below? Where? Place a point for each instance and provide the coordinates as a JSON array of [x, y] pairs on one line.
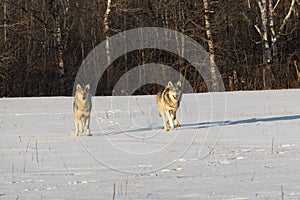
[[166, 124], [162, 114], [175, 120], [177, 123]]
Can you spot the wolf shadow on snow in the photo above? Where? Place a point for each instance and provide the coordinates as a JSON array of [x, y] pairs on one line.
[[203, 125]]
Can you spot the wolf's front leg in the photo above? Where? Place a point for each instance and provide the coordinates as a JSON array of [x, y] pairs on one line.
[[81, 124], [76, 127], [166, 125], [170, 119], [87, 123]]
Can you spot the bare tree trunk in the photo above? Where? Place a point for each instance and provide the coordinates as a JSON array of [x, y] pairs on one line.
[[214, 86], [141, 60], [166, 25], [59, 40], [58, 36], [82, 39], [181, 51], [274, 44], [126, 56], [266, 71], [107, 45], [5, 20], [42, 85], [28, 52], [5, 76], [297, 71]]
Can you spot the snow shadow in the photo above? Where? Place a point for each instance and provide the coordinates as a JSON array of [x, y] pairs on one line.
[[238, 122], [119, 131]]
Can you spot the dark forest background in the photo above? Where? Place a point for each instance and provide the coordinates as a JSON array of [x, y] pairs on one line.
[[255, 43]]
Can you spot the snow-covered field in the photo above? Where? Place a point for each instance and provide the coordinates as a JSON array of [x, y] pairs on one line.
[[241, 145]]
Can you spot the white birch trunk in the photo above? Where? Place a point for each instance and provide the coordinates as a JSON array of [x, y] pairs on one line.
[[274, 44], [58, 37], [264, 31], [107, 45], [214, 86], [267, 75]]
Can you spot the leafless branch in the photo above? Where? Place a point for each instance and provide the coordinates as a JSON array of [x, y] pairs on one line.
[[287, 17], [258, 30], [274, 8]]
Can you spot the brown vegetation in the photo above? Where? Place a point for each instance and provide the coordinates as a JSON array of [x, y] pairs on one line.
[[256, 44]]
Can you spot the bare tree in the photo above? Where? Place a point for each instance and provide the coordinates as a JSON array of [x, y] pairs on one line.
[[270, 42], [275, 36]]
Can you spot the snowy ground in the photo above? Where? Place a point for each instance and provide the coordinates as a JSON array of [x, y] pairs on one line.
[[251, 151]]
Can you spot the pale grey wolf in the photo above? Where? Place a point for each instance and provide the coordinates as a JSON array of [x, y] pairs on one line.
[[82, 109], [168, 102]]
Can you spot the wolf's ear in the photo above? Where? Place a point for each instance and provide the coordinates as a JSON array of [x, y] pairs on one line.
[[170, 84], [178, 84], [78, 87], [88, 87]]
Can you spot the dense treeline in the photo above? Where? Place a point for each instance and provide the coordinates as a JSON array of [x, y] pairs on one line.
[[256, 43]]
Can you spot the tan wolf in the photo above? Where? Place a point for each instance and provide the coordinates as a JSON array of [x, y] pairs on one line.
[[82, 109], [168, 102]]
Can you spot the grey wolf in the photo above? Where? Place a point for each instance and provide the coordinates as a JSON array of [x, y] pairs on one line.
[[82, 109], [168, 101]]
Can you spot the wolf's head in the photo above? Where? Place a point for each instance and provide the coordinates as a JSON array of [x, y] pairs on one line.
[[82, 93], [175, 91]]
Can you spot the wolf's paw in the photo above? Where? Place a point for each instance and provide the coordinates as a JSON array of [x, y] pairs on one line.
[[172, 125], [76, 134], [177, 123], [166, 126], [89, 134]]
